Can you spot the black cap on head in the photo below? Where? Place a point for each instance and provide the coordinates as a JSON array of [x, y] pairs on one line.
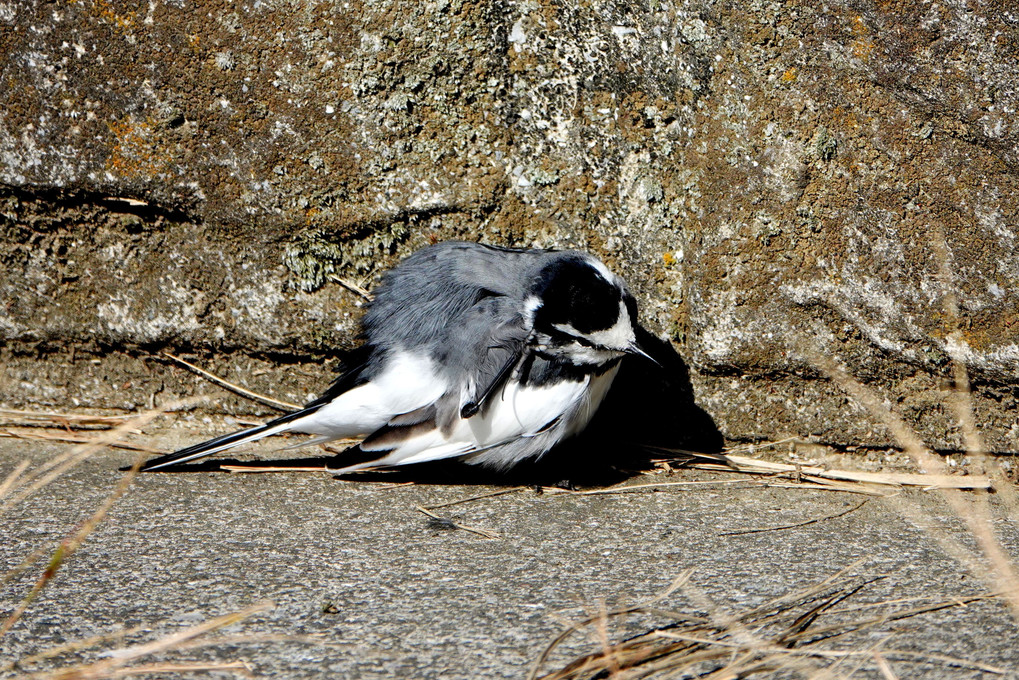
[[573, 293]]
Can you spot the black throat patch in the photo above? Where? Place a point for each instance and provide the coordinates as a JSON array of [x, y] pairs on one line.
[[540, 369]]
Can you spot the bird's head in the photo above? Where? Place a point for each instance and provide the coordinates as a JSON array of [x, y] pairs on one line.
[[582, 312]]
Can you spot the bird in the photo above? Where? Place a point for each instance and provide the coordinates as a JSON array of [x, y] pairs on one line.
[[484, 354]]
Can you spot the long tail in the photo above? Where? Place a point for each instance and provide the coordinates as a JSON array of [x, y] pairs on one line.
[[353, 375], [228, 441]]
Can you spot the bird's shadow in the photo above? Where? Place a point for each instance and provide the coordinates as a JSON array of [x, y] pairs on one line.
[[648, 414]]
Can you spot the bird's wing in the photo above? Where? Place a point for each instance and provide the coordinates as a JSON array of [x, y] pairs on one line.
[[485, 347], [521, 421], [492, 358]]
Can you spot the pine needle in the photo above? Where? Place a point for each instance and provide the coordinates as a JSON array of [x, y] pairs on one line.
[[237, 389]]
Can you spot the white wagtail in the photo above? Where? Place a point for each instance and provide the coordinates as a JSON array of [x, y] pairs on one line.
[[489, 355]]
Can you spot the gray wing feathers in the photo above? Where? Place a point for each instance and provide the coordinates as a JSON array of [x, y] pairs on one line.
[[487, 363], [424, 299], [462, 304], [496, 356]]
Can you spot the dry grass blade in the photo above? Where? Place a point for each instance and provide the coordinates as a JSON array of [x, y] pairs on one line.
[[633, 488], [828, 485], [248, 469], [236, 389], [781, 635], [904, 435], [395, 485], [750, 448], [75, 646], [11, 479], [818, 485], [26, 564], [579, 626], [351, 286], [70, 545], [78, 673], [45, 474], [317, 639], [929, 481], [1003, 576], [798, 524], [446, 522], [58, 465], [64, 420], [117, 662], [70, 438], [239, 667], [978, 515], [127, 654], [501, 492], [950, 661]]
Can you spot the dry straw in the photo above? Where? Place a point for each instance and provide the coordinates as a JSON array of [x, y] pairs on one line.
[[24, 481], [791, 635], [237, 389]]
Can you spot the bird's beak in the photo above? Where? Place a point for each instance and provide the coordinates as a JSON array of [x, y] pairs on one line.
[[635, 348]]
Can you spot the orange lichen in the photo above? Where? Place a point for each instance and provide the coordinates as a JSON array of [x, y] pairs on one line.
[[790, 75], [862, 49], [845, 119], [136, 151], [104, 10]]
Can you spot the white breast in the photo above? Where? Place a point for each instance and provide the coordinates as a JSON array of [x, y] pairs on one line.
[[516, 423], [522, 411]]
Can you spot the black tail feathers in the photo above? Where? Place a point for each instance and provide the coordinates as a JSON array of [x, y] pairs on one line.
[[228, 441]]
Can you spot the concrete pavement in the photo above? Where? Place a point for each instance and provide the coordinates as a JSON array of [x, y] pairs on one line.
[[390, 593]]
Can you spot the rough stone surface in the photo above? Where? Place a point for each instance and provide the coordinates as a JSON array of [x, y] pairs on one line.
[[385, 594], [765, 174]]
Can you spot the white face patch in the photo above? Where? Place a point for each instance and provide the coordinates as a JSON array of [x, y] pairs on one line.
[[581, 355], [619, 337]]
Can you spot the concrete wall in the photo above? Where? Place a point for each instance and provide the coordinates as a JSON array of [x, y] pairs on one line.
[[188, 175]]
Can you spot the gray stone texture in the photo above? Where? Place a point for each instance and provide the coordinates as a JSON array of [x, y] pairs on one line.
[[189, 175]]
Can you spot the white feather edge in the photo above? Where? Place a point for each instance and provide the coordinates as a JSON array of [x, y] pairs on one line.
[[517, 412], [411, 383], [408, 383]]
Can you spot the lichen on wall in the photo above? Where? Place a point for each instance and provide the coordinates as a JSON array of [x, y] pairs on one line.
[[193, 176]]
